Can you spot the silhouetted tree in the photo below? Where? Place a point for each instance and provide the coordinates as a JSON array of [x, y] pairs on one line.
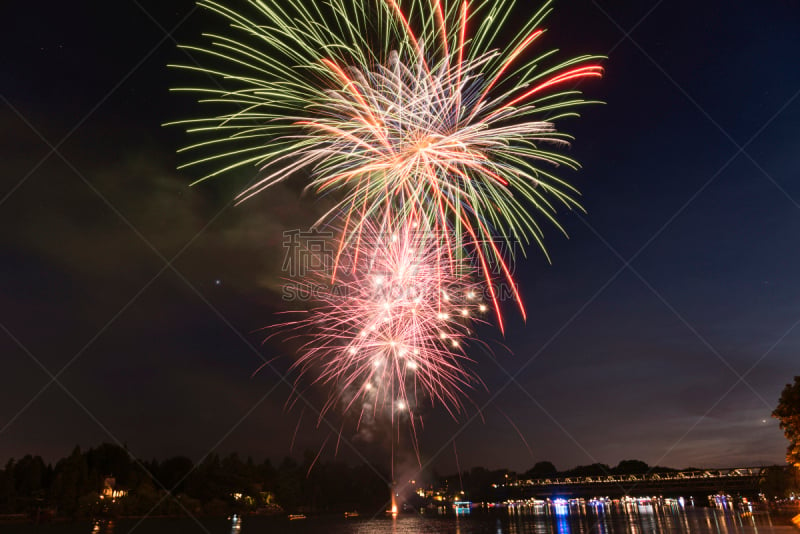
[[70, 483], [788, 413], [172, 473], [289, 487], [108, 460], [29, 475], [7, 490], [589, 470], [631, 467], [204, 482], [266, 474], [541, 470]]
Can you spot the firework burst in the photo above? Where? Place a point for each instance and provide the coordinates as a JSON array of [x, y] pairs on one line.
[[389, 335], [402, 107]]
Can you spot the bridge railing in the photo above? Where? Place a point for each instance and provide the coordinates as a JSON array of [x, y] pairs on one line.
[[705, 474]]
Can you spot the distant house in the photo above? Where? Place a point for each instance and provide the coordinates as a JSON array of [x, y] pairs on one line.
[[110, 491]]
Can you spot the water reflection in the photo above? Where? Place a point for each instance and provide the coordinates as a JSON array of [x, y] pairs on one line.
[[570, 518], [646, 516], [103, 526], [562, 527], [236, 524]]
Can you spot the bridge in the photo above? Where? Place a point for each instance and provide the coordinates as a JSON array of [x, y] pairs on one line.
[[698, 483]]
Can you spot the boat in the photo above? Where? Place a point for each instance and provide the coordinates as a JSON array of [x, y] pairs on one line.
[[294, 517], [462, 507], [350, 514]]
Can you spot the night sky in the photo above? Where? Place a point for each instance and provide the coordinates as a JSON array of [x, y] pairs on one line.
[[663, 330]]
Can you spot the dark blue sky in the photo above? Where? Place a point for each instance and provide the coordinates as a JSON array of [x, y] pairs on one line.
[[664, 329]]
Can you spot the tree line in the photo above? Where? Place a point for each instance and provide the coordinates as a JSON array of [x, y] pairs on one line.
[[218, 485]]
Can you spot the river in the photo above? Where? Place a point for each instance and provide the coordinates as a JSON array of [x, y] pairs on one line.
[[568, 520]]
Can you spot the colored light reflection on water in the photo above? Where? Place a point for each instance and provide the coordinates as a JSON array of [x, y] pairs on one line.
[[569, 517]]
